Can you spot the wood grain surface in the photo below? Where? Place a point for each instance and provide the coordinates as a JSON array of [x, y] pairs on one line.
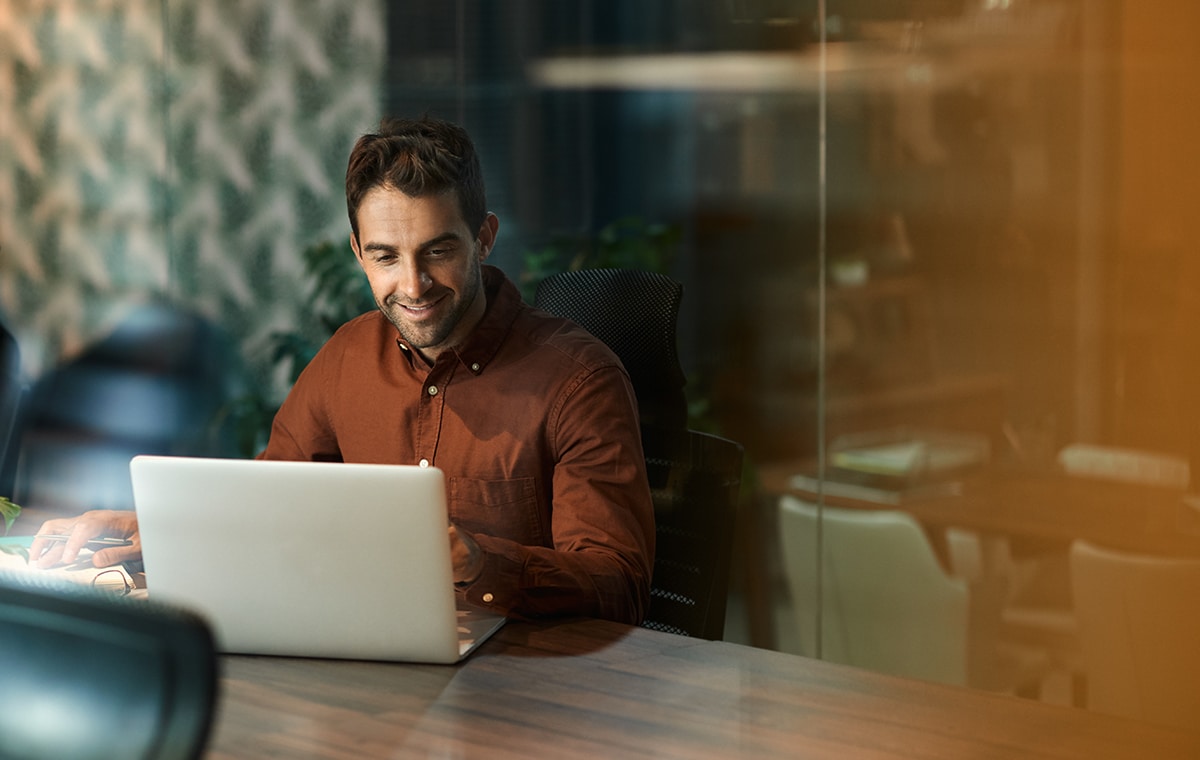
[[587, 688]]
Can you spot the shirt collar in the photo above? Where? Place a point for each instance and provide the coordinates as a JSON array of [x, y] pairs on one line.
[[503, 305], [480, 347]]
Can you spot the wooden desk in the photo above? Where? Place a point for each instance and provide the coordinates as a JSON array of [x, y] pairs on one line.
[[597, 689]]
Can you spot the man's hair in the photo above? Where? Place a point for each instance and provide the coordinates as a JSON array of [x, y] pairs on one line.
[[418, 157]]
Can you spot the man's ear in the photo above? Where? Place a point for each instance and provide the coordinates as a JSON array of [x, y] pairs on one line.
[[354, 247], [487, 235]]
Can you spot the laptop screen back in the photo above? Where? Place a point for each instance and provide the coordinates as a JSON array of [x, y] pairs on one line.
[[302, 558]]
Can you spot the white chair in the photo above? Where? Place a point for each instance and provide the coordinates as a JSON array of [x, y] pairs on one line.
[[1139, 627], [887, 605]]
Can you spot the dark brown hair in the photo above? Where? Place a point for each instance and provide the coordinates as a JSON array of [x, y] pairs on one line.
[[418, 157]]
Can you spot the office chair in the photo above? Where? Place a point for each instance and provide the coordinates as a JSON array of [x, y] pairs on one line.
[[12, 389], [887, 605], [695, 491], [695, 477], [635, 314], [1139, 624], [89, 675]]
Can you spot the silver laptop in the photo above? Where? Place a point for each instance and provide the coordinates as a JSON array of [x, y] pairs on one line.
[[307, 559]]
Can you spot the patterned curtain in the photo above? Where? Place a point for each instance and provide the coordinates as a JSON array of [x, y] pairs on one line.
[[173, 149]]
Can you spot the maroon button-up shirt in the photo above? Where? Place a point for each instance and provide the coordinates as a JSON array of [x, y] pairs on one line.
[[534, 423]]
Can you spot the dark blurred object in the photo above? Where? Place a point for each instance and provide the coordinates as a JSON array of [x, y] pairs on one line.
[[695, 478], [86, 675], [155, 385], [696, 487], [12, 389]]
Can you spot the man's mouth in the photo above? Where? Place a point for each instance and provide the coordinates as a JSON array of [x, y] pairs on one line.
[[418, 310]]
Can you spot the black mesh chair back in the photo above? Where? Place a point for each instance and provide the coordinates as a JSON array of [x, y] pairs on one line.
[[11, 394], [694, 477], [90, 675], [635, 314]]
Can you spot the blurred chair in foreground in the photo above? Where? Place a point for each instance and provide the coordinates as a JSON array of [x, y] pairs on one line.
[[695, 477], [12, 389], [1139, 628], [152, 386], [85, 675]]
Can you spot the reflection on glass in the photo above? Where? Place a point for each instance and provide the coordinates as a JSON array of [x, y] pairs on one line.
[[958, 219]]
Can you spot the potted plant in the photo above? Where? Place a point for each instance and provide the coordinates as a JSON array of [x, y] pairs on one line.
[[337, 293], [627, 243]]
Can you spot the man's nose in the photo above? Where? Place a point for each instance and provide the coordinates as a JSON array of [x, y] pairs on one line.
[[414, 281]]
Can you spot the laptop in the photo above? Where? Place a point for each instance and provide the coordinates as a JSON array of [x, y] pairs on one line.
[[306, 559]]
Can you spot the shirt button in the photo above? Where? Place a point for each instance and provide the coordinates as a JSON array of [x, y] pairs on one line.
[[423, 463], [488, 597], [433, 390], [475, 367]]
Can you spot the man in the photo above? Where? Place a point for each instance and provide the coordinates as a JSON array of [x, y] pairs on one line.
[[533, 420]]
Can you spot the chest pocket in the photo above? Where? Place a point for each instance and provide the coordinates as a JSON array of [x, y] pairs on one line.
[[501, 508]]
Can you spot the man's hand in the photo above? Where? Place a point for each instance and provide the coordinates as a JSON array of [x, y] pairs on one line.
[[98, 523], [465, 556]]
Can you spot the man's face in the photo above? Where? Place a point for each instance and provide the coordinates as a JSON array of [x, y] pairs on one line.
[[423, 264]]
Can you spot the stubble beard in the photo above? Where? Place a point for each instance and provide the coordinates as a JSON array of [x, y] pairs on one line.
[[421, 336]]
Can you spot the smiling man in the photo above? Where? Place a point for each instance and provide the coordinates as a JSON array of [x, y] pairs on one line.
[[533, 421], [431, 289]]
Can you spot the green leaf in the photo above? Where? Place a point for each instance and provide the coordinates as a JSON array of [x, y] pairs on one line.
[[10, 511], [20, 551]]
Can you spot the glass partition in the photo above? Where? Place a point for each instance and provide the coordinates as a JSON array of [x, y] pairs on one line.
[[935, 259]]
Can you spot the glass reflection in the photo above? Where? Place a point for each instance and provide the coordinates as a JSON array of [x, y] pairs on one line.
[[898, 224]]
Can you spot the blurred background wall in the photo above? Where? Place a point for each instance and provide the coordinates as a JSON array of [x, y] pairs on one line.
[[176, 150]]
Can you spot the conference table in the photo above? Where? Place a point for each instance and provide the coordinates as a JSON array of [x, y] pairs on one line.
[[595, 689], [1000, 504], [1037, 504]]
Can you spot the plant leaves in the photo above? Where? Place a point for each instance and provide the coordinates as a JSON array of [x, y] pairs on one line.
[[20, 551], [10, 511]]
